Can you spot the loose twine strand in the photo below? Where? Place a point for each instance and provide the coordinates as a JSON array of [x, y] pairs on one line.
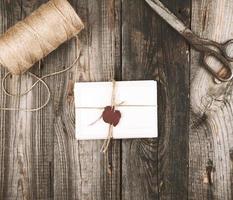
[[39, 80]]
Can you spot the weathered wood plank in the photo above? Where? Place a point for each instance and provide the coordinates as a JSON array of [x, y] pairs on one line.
[[211, 121], [173, 143], [3, 132], [139, 46], [81, 171], [157, 168], [27, 137]]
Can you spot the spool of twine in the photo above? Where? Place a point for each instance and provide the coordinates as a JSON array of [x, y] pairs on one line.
[[37, 35]]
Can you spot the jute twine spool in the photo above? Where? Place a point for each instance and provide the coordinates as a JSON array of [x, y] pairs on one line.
[[37, 35]]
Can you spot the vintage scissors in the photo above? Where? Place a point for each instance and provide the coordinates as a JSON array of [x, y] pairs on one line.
[[209, 49]]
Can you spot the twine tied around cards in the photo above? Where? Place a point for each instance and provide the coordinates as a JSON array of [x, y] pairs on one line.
[[107, 118], [33, 38], [107, 141], [112, 120]]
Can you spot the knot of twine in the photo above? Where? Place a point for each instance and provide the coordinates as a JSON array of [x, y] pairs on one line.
[[37, 35]]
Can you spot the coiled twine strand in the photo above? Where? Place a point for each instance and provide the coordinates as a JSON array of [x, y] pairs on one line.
[[33, 38]]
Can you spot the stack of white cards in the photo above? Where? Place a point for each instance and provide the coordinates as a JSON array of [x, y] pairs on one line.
[[138, 109]]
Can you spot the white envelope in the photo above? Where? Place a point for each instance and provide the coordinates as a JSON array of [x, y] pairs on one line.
[[138, 109]]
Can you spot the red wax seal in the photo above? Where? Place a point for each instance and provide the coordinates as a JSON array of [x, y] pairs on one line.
[[111, 116]]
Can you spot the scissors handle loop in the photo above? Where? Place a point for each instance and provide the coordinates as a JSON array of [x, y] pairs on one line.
[[220, 52], [225, 73]]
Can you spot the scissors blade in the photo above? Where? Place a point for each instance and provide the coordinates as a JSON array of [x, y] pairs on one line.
[[167, 15]]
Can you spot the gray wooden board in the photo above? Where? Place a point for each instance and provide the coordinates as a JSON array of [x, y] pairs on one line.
[[81, 171], [125, 40], [157, 168], [211, 136], [26, 138]]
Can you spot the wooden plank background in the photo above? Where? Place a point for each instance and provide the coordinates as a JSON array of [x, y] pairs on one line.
[[123, 39]]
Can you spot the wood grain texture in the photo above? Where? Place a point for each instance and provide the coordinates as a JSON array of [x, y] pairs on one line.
[[157, 168], [27, 144], [211, 136], [173, 143], [81, 171], [139, 47], [39, 156]]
